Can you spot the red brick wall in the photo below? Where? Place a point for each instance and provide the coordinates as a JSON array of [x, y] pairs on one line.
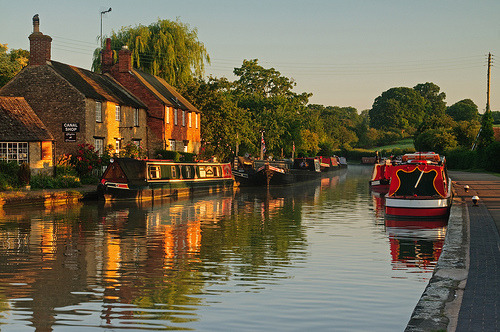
[[53, 100]]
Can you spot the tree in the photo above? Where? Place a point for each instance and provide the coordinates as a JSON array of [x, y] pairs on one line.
[[434, 101], [272, 105], [438, 140], [11, 63], [168, 49], [223, 124], [397, 109], [486, 135], [464, 110]]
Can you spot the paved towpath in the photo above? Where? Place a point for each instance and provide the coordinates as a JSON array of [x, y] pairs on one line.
[[480, 308]]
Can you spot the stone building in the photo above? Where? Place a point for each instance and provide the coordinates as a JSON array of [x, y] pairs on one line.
[[23, 137], [76, 105], [174, 123]]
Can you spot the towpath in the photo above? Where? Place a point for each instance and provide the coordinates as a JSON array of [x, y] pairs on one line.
[[480, 308]]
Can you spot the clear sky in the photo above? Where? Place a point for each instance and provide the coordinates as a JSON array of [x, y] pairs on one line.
[[345, 52]]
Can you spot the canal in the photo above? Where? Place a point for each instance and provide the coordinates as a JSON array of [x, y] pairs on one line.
[[314, 256]]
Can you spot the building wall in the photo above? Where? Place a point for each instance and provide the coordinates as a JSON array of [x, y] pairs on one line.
[[37, 164], [53, 100]]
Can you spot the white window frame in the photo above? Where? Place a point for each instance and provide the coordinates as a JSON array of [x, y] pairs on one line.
[[190, 119], [118, 113], [14, 151], [136, 117], [118, 146], [196, 115], [171, 143], [175, 116], [167, 114], [98, 111], [183, 118], [99, 146]]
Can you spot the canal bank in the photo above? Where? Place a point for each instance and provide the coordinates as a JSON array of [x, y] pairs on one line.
[[47, 197], [462, 294]]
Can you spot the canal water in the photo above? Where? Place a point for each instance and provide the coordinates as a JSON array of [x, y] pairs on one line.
[[315, 256]]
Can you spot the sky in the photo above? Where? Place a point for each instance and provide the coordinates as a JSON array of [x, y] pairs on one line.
[[346, 53]]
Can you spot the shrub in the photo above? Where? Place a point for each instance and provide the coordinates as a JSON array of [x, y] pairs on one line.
[[24, 174], [85, 160], [42, 181], [491, 160], [168, 155], [461, 159]]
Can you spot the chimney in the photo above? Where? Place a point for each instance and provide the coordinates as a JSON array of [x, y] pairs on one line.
[[40, 45], [124, 60], [107, 57]]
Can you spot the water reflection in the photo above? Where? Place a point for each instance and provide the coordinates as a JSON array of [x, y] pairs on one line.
[[164, 265]]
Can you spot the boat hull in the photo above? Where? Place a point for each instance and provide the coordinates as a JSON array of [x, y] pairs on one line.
[[417, 207]]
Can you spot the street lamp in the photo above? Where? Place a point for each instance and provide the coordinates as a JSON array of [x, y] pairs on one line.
[[103, 12]]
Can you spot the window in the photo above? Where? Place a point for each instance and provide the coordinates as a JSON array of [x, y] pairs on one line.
[[196, 119], [190, 120], [14, 151], [175, 116], [118, 113], [99, 146], [171, 142], [117, 146], [98, 112], [183, 118], [137, 142], [136, 117], [186, 143], [167, 114], [173, 171], [154, 172]]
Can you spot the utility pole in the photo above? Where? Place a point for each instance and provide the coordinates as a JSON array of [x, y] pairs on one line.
[[488, 84], [103, 12]]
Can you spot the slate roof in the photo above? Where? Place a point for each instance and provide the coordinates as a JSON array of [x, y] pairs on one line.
[[96, 86], [164, 91], [19, 123]]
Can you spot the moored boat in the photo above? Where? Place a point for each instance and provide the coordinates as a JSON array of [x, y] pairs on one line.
[[381, 176], [419, 187], [127, 178]]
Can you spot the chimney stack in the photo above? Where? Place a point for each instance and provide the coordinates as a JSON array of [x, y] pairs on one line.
[[40, 45], [124, 60], [107, 57]]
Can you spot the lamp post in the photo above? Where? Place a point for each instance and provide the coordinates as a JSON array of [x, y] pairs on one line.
[[103, 12]]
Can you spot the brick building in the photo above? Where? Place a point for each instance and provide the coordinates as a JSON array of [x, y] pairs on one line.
[[76, 105], [23, 137], [173, 121]]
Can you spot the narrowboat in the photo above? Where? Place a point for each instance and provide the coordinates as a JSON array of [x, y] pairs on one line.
[[143, 179], [419, 187], [381, 176]]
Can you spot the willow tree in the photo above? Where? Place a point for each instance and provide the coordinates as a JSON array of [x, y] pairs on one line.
[[168, 49]]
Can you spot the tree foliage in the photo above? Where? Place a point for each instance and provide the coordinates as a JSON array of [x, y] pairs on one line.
[[11, 63], [438, 140], [434, 100], [398, 109], [168, 49], [487, 135], [464, 110]]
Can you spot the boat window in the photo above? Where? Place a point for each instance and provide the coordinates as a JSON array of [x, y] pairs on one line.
[[202, 172], [187, 172], [217, 171], [154, 172], [173, 172]]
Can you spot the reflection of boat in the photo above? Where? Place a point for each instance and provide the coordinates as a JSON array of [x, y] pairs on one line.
[[127, 178], [381, 176], [416, 243], [420, 187]]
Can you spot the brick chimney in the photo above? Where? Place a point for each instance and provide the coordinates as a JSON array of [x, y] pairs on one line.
[[40, 45], [124, 60], [107, 57]]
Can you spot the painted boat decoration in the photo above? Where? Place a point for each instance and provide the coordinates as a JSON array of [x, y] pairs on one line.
[[419, 187], [127, 178]]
